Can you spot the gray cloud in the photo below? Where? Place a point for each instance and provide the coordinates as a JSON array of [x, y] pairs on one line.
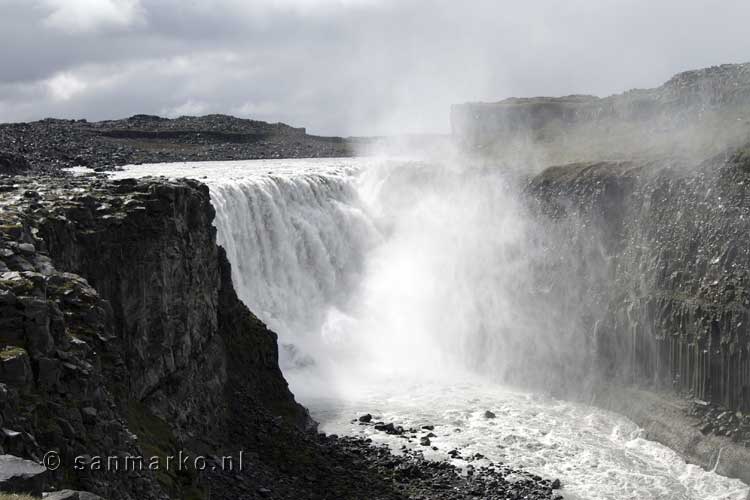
[[344, 66]]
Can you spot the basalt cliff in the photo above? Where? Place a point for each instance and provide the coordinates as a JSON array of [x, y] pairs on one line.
[[643, 198], [118, 316]]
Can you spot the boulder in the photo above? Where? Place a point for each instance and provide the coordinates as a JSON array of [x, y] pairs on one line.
[[71, 495], [62, 495], [21, 476]]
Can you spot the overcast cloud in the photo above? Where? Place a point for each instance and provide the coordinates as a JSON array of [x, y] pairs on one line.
[[345, 67]]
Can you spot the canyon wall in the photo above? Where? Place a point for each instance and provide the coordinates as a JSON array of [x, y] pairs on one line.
[[646, 224], [667, 252], [123, 335]]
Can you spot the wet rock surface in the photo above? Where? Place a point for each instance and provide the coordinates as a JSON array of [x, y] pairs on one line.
[[478, 478], [666, 247], [719, 421], [51, 144]]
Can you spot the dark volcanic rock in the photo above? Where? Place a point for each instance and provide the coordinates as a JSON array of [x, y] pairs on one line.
[[13, 163], [53, 144], [663, 257], [96, 366]]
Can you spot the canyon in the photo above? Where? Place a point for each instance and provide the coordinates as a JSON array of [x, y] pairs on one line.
[[591, 249]]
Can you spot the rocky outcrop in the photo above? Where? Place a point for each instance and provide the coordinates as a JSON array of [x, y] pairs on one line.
[[668, 257], [149, 250], [696, 114], [140, 344], [652, 259], [62, 368]]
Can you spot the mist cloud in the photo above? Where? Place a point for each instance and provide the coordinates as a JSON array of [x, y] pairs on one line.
[[344, 67]]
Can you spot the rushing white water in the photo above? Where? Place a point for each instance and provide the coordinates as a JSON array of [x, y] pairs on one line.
[[404, 289], [597, 454]]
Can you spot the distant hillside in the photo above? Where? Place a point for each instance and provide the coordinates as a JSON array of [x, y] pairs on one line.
[[695, 114], [51, 144]]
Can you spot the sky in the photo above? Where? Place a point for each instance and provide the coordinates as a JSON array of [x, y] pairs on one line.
[[345, 67]]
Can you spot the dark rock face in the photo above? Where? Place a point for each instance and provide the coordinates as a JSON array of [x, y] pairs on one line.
[[696, 114], [159, 275], [667, 255], [50, 144], [163, 339], [13, 164]]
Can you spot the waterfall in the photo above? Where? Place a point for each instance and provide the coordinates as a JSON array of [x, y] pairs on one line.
[[396, 268], [372, 268], [297, 246]]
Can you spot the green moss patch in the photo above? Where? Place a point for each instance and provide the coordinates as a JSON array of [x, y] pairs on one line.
[[156, 439], [11, 352]]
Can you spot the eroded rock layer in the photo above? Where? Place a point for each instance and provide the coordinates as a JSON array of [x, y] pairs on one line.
[[667, 254]]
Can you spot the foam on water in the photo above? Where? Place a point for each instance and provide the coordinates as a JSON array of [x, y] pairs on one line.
[[359, 282], [596, 454]]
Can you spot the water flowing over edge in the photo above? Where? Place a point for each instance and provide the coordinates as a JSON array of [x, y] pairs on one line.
[[429, 272]]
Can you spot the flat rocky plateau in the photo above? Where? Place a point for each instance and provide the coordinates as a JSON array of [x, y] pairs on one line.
[[51, 144]]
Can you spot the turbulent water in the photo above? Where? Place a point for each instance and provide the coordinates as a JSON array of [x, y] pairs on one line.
[[406, 289]]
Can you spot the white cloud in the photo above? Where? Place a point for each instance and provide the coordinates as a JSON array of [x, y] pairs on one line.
[[349, 67], [64, 86], [85, 16]]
